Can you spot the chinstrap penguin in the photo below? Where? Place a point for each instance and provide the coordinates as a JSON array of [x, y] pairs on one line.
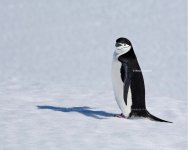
[[128, 82]]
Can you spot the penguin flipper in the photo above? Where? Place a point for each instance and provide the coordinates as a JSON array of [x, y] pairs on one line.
[[125, 76]]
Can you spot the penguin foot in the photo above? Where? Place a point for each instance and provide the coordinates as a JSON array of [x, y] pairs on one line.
[[120, 115]]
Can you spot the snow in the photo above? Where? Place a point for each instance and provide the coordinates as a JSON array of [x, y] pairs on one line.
[[57, 117], [55, 83]]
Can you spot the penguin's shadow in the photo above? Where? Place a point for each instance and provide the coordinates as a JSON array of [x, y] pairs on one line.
[[85, 110]]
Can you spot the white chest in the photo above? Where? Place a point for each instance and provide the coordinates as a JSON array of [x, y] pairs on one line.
[[118, 87]]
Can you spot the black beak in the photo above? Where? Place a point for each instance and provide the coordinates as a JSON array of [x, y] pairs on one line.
[[118, 44]]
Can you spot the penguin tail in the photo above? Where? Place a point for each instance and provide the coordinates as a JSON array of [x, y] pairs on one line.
[[144, 113], [150, 116]]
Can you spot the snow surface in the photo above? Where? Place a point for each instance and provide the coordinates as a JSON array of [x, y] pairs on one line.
[[55, 77]]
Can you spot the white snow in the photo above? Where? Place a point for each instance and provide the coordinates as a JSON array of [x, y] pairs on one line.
[[58, 117], [55, 74]]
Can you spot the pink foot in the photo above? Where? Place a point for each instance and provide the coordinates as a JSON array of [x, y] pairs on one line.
[[120, 115]]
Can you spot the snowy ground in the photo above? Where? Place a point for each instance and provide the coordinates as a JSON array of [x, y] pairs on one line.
[[55, 85], [56, 117]]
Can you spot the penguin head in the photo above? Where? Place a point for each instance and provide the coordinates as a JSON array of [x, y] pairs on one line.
[[122, 45]]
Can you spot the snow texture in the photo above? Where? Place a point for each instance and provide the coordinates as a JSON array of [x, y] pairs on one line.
[[55, 74]]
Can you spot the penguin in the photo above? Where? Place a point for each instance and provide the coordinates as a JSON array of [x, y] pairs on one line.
[[128, 82]]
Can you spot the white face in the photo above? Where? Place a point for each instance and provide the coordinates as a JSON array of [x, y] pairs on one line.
[[122, 48]]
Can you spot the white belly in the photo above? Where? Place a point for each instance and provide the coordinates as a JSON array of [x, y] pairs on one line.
[[118, 87]]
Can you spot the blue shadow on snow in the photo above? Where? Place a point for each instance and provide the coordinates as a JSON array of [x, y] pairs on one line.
[[87, 111]]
